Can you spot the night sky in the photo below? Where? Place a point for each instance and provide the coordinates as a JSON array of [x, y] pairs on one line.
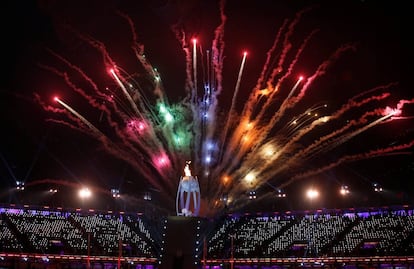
[[44, 153]]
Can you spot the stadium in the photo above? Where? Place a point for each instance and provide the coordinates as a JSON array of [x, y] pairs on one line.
[[43, 237], [169, 134]]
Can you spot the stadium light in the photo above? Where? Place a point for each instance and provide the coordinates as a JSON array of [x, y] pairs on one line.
[[85, 193], [344, 190], [252, 195], [147, 196], [20, 185], [312, 194], [280, 193], [377, 187], [115, 193]]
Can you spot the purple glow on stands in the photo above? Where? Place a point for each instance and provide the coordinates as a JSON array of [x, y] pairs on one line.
[[363, 214], [13, 211]]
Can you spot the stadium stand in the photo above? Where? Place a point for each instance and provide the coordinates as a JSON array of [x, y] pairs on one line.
[[33, 237]]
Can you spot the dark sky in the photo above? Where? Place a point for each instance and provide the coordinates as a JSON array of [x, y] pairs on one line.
[[35, 150]]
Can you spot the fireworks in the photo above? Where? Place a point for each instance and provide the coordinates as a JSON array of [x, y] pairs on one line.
[[274, 139]]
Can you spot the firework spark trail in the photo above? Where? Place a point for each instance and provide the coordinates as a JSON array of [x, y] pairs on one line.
[[290, 103], [190, 100], [208, 117], [287, 45], [218, 50], [78, 126], [324, 144], [239, 139], [377, 88], [127, 95], [320, 143], [96, 132], [232, 111], [163, 159], [270, 81], [266, 169], [149, 141], [273, 90], [352, 158], [299, 121], [80, 91], [402, 103], [237, 143], [263, 133], [154, 141], [258, 92], [91, 100], [111, 65], [388, 151], [320, 71], [215, 88], [194, 96], [346, 137], [80, 72], [310, 151], [124, 154], [37, 98], [278, 70], [138, 49], [67, 79], [100, 46], [204, 122], [267, 67], [195, 107], [146, 144]]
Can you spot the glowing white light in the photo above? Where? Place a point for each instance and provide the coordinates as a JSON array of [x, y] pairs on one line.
[[249, 178], [208, 159], [187, 171], [312, 193], [85, 193], [344, 190]]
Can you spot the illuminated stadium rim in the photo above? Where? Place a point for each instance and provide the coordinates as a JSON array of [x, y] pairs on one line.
[[290, 260], [66, 209], [370, 209], [321, 261], [86, 258]]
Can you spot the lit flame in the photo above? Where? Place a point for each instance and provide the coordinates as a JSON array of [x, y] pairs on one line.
[[187, 171]]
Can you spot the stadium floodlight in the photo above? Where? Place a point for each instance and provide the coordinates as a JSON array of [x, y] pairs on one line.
[[224, 199], [344, 190], [147, 196], [280, 193], [85, 193], [20, 185], [115, 193], [377, 187], [312, 194], [252, 195]]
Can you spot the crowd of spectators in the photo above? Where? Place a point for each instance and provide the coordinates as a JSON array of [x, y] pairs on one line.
[[311, 234]]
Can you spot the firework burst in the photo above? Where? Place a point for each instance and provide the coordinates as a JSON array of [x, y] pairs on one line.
[[273, 139]]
